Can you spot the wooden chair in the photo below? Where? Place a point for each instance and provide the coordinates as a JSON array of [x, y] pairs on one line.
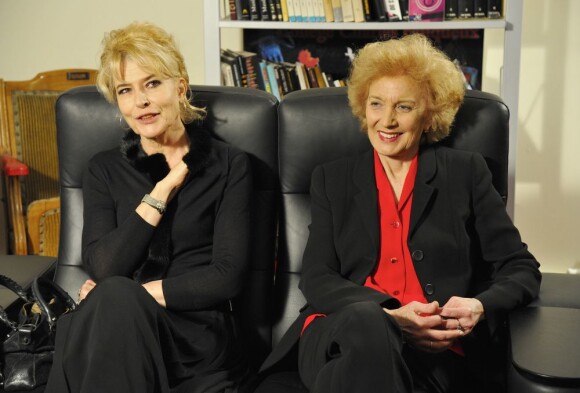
[[29, 157]]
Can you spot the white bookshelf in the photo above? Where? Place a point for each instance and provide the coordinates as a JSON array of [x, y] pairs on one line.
[[510, 78]]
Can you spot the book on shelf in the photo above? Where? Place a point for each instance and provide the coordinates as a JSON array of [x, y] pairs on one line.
[[273, 79], [337, 10], [480, 9], [347, 10], [495, 9], [285, 15], [264, 10], [404, 5], [233, 63], [328, 12], [254, 10], [278, 10], [451, 10], [367, 10], [393, 10], [265, 80], [465, 8], [378, 10], [358, 11], [426, 11], [227, 74]]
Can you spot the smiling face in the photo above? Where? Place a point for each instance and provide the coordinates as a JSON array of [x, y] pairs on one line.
[[395, 115], [150, 103]]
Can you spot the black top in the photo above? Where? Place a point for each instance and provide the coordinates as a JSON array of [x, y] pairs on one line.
[[207, 221]]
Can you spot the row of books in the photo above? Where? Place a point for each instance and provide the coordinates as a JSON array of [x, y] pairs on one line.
[[362, 10], [247, 69]]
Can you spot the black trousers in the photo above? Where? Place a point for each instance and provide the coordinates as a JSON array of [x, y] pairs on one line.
[[119, 340], [361, 349]]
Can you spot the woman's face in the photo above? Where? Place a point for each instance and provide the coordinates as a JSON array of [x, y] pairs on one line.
[[149, 103], [395, 110]]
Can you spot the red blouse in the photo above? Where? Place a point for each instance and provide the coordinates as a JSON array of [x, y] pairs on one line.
[[395, 273]]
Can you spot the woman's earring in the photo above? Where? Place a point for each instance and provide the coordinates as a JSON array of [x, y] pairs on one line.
[[123, 124]]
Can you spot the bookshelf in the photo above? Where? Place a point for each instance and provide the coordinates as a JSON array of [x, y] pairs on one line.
[[509, 78]]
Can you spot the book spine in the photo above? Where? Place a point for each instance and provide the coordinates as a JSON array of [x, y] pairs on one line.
[[393, 10], [328, 13], [495, 9], [358, 11], [451, 9], [233, 9], [347, 11], [254, 10], [480, 9], [264, 11], [337, 10]]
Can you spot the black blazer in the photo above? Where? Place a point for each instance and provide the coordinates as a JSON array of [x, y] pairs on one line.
[[461, 240]]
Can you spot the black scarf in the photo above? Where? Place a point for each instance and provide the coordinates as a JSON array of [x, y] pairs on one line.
[[160, 251]]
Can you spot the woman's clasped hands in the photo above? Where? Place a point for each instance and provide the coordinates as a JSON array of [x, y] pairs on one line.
[[433, 328]]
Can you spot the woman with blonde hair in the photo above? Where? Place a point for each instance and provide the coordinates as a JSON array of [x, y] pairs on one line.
[[165, 238], [412, 262]]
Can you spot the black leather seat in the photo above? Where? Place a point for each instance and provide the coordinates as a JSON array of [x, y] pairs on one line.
[[87, 124]]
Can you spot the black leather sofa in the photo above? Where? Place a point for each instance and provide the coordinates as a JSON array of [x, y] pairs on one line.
[[285, 141]]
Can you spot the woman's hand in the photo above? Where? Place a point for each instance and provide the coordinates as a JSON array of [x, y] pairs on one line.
[[84, 290], [424, 327], [169, 184], [155, 289], [468, 311]]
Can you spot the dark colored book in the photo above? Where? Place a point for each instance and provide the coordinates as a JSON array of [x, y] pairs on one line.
[[272, 10], [283, 80], [292, 76], [241, 66], [243, 8], [404, 6], [252, 66], [264, 10], [378, 12], [480, 9], [278, 8], [233, 62], [494, 9], [465, 8], [311, 74], [254, 10], [451, 9]]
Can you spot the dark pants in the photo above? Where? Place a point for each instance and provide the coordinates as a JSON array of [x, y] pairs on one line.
[[360, 349], [119, 340]]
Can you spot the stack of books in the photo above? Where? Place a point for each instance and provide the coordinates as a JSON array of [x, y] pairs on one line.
[[248, 69]]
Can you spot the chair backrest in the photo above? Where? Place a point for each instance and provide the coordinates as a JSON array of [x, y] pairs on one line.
[[28, 133], [245, 118], [316, 126]]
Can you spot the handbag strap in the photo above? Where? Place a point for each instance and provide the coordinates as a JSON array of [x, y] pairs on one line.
[[41, 283], [14, 287], [9, 283]]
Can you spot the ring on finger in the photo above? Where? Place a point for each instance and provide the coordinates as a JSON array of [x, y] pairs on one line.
[[459, 327]]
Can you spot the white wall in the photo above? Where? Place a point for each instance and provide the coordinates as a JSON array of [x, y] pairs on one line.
[[36, 36]]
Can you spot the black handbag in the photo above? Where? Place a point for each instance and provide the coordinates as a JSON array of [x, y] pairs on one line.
[[27, 350]]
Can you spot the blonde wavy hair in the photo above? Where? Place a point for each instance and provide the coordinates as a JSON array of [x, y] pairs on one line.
[[154, 50], [414, 56]]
